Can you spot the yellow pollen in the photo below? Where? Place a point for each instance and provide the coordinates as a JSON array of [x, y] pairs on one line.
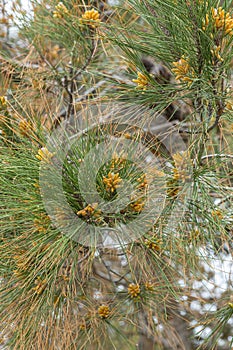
[[104, 311], [183, 71], [134, 290], [91, 18], [112, 182], [44, 155], [60, 10], [141, 81]]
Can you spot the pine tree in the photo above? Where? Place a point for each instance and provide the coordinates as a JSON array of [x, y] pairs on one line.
[[116, 175]]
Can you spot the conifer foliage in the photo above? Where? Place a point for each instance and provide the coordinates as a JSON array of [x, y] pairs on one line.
[[116, 175]]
